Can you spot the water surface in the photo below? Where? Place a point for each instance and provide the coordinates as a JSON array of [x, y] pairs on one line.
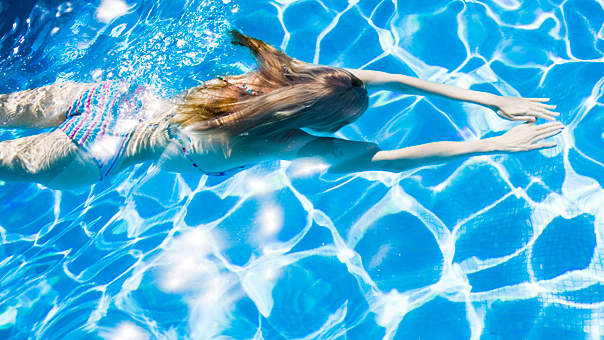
[[490, 247]]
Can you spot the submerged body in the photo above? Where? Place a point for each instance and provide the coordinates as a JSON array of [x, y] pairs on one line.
[[230, 122], [79, 152], [96, 138]]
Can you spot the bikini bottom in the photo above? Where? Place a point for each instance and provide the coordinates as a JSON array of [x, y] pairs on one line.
[[102, 119]]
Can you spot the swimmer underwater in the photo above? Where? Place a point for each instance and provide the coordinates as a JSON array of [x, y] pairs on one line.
[[230, 122]]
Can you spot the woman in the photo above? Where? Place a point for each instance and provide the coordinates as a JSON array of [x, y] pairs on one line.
[[230, 122]]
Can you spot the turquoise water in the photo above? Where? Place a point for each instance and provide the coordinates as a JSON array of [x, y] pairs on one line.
[[490, 247]]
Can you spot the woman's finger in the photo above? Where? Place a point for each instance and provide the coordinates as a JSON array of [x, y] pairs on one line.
[[551, 125], [551, 113], [546, 134], [547, 106], [505, 115], [524, 118], [542, 115], [540, 100], [545, 111], [542, 146], [545, 130]]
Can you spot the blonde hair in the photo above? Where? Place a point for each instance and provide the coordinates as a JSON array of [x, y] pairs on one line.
[[299, 95]]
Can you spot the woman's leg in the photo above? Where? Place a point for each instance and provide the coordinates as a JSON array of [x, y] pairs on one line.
[[48, 158], [41, 107]]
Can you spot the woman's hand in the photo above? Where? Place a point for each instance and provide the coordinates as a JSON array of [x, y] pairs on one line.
[[527, 109], [526, 136]]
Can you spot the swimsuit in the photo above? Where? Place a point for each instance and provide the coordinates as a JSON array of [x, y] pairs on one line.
[[102, 119], [185, 146], [242, 86]]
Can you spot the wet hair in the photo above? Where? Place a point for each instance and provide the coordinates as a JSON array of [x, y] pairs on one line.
[[294, 95]]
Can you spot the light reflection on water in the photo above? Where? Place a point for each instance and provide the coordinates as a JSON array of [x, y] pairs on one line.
[[503, 246]]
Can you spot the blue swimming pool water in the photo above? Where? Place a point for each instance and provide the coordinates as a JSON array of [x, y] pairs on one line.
[[490, 247]]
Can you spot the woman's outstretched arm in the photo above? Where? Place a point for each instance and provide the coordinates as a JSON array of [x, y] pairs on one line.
[[349, 156], [527, 109], [524, 137]]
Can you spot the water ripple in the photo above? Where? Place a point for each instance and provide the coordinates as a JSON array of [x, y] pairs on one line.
[[502, 246]]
